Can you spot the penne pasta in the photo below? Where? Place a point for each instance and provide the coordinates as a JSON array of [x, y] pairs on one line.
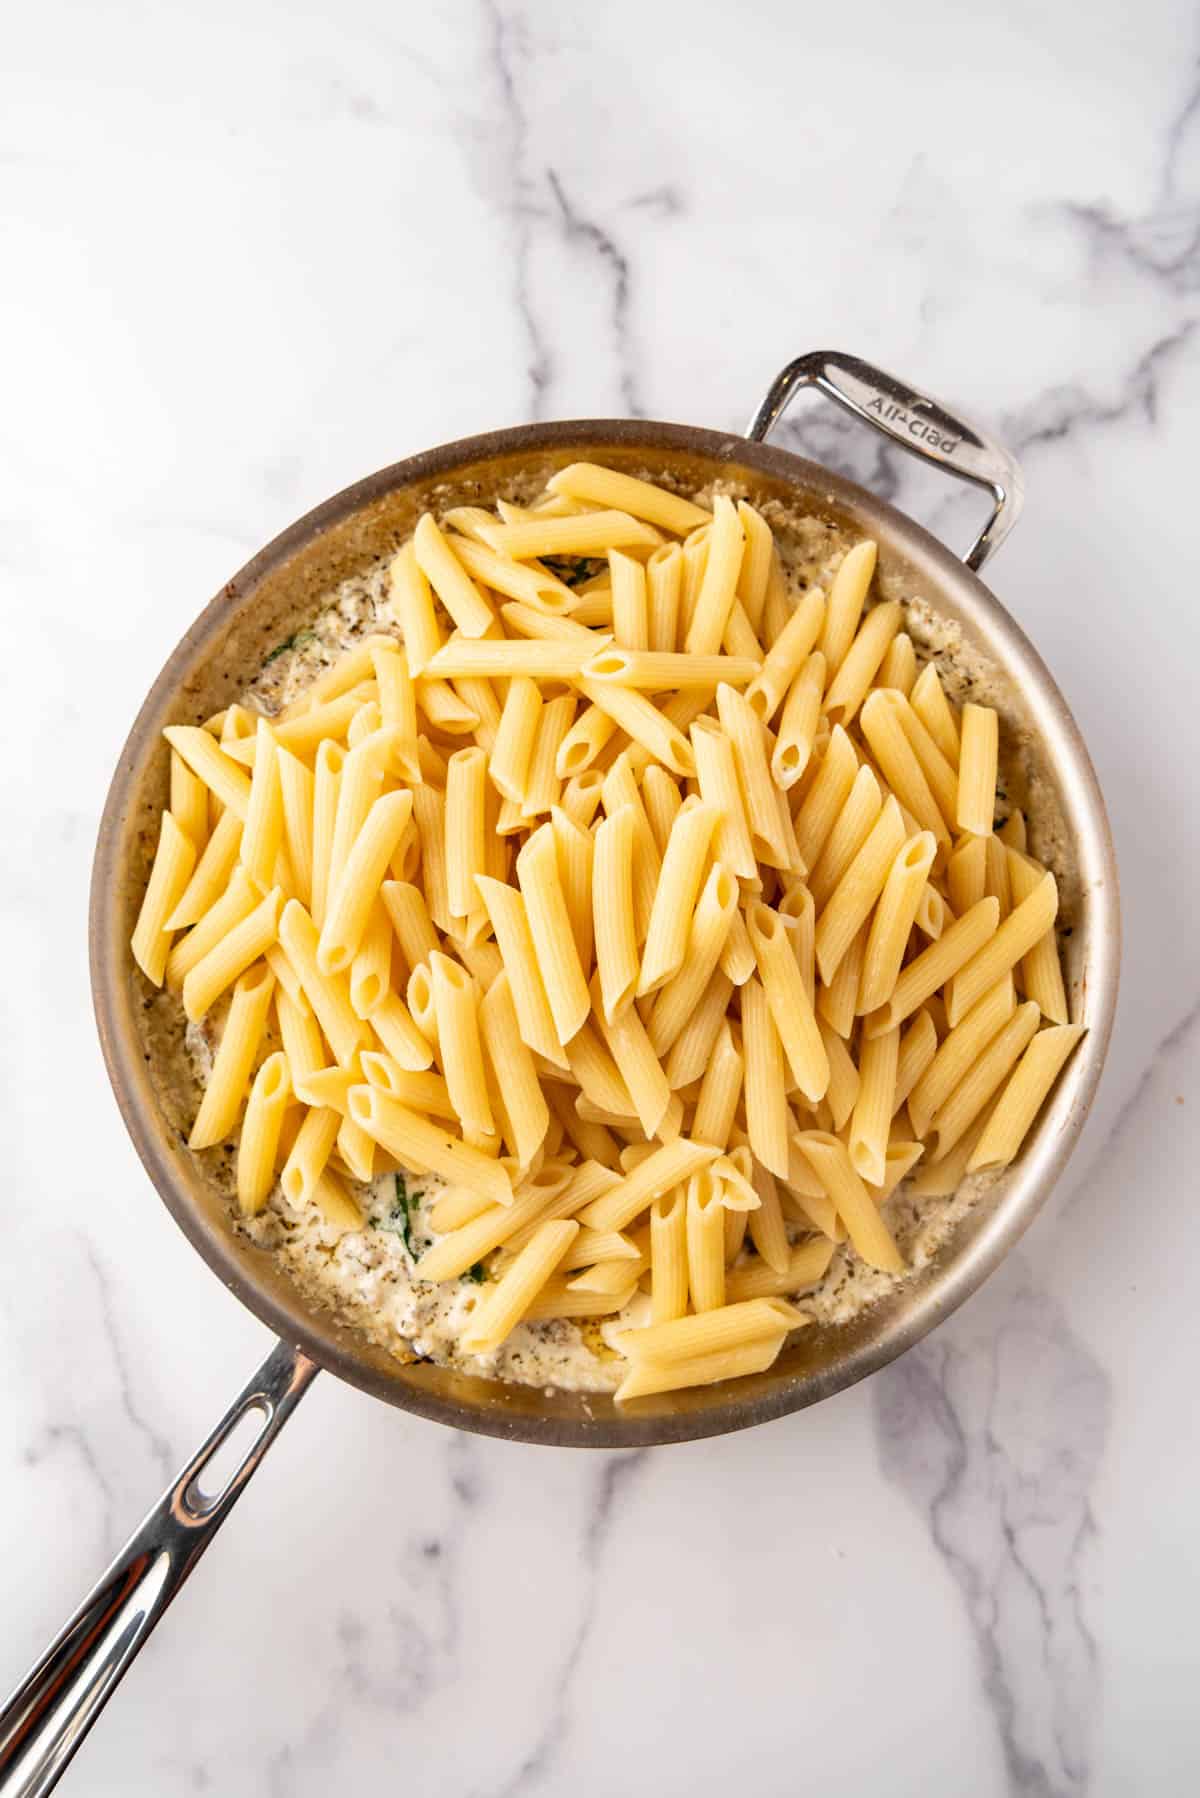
[[624, 493], [847, 596], [718, 584], [861, 663], [705, 1242], [234, 1059], [174, 859], [977, 769], [1024, 1096]]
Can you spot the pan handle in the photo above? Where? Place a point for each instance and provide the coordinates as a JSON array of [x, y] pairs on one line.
[[52, 1710], [919, 424]]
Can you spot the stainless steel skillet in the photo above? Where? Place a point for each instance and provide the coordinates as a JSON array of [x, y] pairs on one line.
[[46, 1718]]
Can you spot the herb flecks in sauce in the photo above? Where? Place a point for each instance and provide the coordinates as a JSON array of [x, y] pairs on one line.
[[297, 641], [399, 1220]]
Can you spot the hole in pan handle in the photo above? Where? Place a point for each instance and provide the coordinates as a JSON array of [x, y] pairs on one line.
[[915, 421], [52, 1710]]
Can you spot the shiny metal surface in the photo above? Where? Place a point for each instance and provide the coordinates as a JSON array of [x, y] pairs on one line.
[[49, 1714], [919, 424], [283, 586]]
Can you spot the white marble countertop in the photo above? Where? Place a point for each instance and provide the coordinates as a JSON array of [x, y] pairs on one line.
[[257, 250]]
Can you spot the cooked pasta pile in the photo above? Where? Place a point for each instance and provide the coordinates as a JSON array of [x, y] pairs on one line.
[[650, 905]]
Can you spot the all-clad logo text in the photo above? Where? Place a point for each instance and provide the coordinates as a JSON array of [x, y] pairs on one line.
[[914, 424]]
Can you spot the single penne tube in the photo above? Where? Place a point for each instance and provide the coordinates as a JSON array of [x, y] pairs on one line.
[[756, 562], [419, 996], [717, 777], [805, 1197], [739, 641], [506, 1303], [933, 914], [456, 1007], [444, 709], [356, 889], [631, 621], [1025, 925], [302, 734], [660, 671], [710, 925], [239, 1045], [406, 907], [550, 925], [360, 785], [426, 1147], [847, 596], [705, 1242], [297, 793], [371, 969], [598, 1077], [188, 803], [259, 1139], [854, 897], [748, 739], [527, 621], [262, 836], [836, 1000], [1041, 970], [669, 1256], [679, 710], [939, 772], [328, 1086], [480, 958], [676, 893], [575, 848], [210, 875], [938, 964], [603, 1248], [208, 761], [842, 1091], [229, 958], [871, 1119], [718, 584], [308, 1155], [861, 663], [330, 761], [666, 1166], [768, 1229], [621, 790], [720, 1091], [966, 873], [638, 1065], [174, 859], [691, 1049], [429, 810], [929, 702], [808, 1262], [609, 1277], [695, 558], [340, 1210], [1024, 1096], [588, 736], [625, 493], [939, 1179], [798, 722], [664, 582], [709, 1332], [918, 1046], [466, 774], [898, 669], [526, 582], [796, 903], [398, 708], [826, 798], [893, 919], [791, 1008], [892, 750], [526, 1115], [662, 801], [327, 994], [426, 1091], [365, 722], [977, 766], [900, 1160], [997, 877], [565, 1190], [411, 604], [510, 920], [543, 784], [830, 1160], [983, 1080], [300, 1034], [449, 579], [961, 1050], [648, 1378], [356, 1150], [508, 764], [737, 955], [586, 534], [644, 722], [548, 659], [393, 1024], [767, 1118]]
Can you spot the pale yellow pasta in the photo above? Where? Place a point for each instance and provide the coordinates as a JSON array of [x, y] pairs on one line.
[[720, 1091], [309, 1154], [871, 1119], [642, 720], [262, 836], [608, 1277], [997, 880], [1041, 970], [641, 499], [480, 958], [220, 774], [710, 925], [508, 765], [526, 582], [826, 798], [543, 784], [893, 919], [660, 670], [211, 874], [829, 1159], [668, 1165], [676, 893], [620, 789], [330, 762], [449, 579], [850, 831], [231, 956], [258, 1143], [710, 1332], [718, 585], [929, 702], [982, 1080], [737, 955], [898, 668], [356, 888], [637, 1064], [406, 907], [808, 1262], [977, 766], [586, 534], [365, 722], [856, 893], [716, 773], [966, 873], [429, 810], [526, 1115], [507, 911], [301, 1036], [937, 964], [286, 975], [959, 1052], [662, 801], [466, 773], [669, 1256], [649, 1377], [584, 742], [631, 620], [419, 994], [398, 707], [495, 657], [695, 557], [739, 641], [837, 1000], [860, 665], [174, 859], [327, 994], [189, 802], [940, 773], [933, 914], [412, 605], [705, 1242], [598, 1077], [664, 582], [689, 1052], [842, 1091], [798, 723], [497, 1314], [302, 734], [767, 1117], [900, 1160], [748, 739], [797, 904], [456, 1008], [554, 944], [918, 1046], [791, 1008], [1024, 1096], [847, 596], [426, 1147], [756, 562], [1012, 832], [603, 1248], [1024, 926], [232, 1064], [371, 969], [422, 1091], [575, 849], [892, 750], [356, 1150], [328, 1086], [340, 1210], [443, 708], [768, 1229]]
